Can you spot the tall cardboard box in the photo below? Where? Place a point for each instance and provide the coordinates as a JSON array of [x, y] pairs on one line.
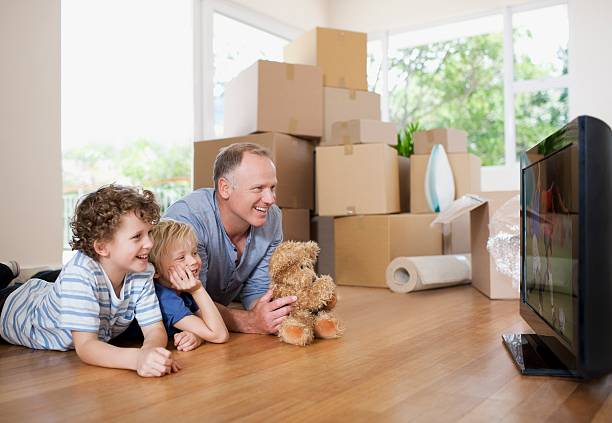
[[296, 224], [364, 245], [357, 179], [274, 97], [485, 276], [292, 156], [340, 104], [341, 55], [363, 131], [466, 172], [322, 231], [453, 140]]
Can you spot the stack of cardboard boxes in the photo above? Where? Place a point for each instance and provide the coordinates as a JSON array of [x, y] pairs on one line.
[[358, 173], [315, 115]]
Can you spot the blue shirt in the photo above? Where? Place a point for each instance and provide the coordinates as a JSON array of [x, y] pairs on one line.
[[223, 279], [42, 315], [174, 306]]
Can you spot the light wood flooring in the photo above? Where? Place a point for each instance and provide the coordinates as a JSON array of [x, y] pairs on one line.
[[430, 356]]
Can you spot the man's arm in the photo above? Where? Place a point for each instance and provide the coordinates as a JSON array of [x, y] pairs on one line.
[[261, 314], [265, 317], [149, 361]]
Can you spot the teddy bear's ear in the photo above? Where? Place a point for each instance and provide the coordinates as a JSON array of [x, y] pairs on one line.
[[312, 249], [287, 254]]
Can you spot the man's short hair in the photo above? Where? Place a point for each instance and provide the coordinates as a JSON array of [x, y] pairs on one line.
[[165, 234], [98, 214], [230, 157]]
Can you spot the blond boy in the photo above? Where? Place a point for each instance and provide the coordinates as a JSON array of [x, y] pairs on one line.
[[189, 314]]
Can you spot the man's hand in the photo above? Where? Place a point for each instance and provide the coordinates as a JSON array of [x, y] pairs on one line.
[[156, 362], [186, 341], [267, 314], [183, 280]]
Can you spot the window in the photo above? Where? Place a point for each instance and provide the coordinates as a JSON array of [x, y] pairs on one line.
[[127, 97], [452, 81], [237, 46], [540, 69], [228, 39], [502, 78]]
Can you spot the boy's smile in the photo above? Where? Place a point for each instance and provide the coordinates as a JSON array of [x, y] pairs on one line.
[[180, 254]]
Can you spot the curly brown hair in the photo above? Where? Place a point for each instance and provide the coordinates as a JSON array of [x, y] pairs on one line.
[[98, 214]]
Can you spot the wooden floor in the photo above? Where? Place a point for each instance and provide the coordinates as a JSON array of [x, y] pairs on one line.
[[424, 357]]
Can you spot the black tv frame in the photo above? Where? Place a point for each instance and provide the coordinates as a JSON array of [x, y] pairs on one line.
[[546, 352]]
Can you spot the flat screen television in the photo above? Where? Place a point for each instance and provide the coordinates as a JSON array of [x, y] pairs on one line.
[[566, 253]]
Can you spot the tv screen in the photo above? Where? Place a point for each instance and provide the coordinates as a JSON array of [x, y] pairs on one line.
[[566, 265], [551, 240]]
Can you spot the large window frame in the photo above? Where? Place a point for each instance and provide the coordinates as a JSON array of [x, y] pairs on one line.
[[494, 177], [204, 69]]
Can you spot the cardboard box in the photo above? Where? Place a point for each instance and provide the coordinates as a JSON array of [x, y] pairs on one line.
[[365, 245], [322, 231], [294, 166], [341, 55], [363, 131], [453, 140], [485, 276], [357, 179], [340, 105], [296, 224], [456, 236], [466, 172], [274, 97]]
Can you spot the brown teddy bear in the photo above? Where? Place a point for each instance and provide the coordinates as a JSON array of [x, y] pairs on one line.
[[292, 273]]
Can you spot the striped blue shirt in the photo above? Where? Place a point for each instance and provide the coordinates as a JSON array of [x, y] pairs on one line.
[[41, 314]]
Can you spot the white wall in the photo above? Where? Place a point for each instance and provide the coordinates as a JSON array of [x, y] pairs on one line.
[[590, 58], [371, 16], [301, 14], [30, 145]]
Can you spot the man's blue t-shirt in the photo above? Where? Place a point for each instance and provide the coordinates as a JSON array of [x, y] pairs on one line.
[[222, 276], [174, 306]]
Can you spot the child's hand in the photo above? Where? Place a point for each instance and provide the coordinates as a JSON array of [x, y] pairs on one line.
[[155, 362], [183, 280], [186, 341]]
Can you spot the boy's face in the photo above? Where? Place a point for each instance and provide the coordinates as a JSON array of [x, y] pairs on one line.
[[180, 254], [128, 250]]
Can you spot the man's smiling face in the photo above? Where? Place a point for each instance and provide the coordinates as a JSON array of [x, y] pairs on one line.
[[253, 189]]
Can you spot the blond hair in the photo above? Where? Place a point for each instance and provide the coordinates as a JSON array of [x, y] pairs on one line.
[[167, 233]]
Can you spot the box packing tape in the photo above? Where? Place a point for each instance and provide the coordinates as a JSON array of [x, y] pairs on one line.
[[350, 210], [293, 125], [352, 94], [407, 274], [290, 71], [342, 82], [348, 146]]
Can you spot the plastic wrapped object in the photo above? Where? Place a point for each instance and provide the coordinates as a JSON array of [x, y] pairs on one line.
[[439, 180], [504, 239]]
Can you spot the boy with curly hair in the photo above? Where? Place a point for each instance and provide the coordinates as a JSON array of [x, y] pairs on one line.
[[106, 285]]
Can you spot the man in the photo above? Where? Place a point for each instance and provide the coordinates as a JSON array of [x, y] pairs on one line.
[[238, 226]]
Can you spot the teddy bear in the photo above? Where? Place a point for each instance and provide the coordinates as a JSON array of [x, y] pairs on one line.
[[292, 272]]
